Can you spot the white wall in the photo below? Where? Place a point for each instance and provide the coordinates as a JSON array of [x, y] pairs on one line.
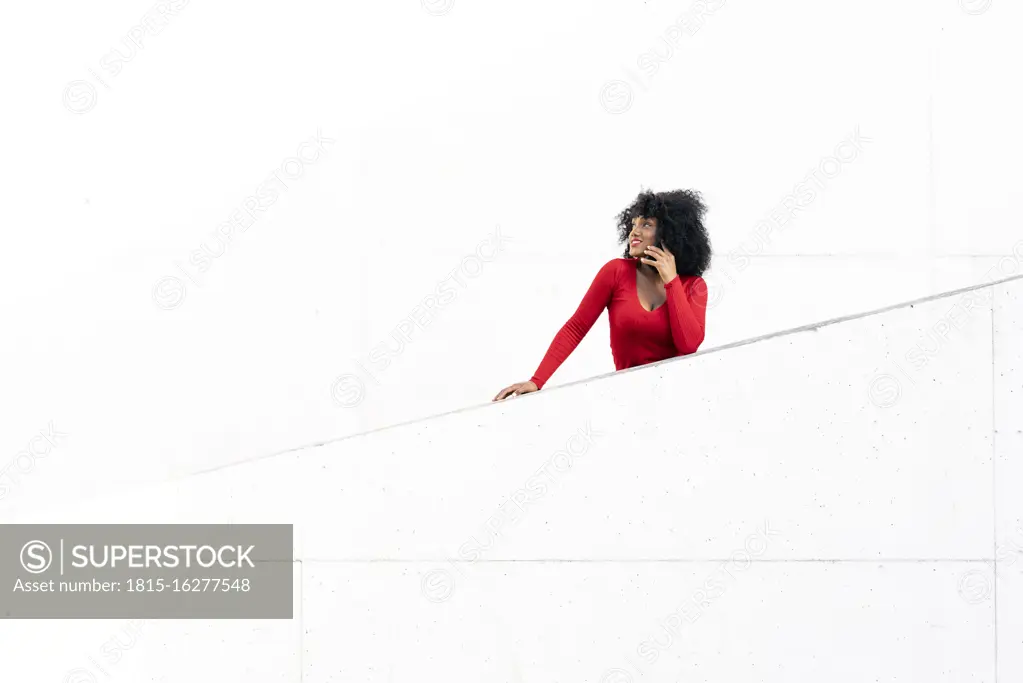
[[450, 119], [841, 490], [1008, 462]]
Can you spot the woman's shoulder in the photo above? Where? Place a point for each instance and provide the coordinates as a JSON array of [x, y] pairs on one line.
[[615, 267], [619, 263]]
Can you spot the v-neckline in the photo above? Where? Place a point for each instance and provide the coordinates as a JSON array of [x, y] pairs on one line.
[[639, 301]]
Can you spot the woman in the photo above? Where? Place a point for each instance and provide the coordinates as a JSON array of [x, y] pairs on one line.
[[655, 295]]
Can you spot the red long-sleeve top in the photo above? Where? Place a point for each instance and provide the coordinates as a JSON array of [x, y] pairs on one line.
[[638, 336]]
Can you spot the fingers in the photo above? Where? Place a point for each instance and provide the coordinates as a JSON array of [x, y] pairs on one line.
[[663, 253], [506, 392], [655, 255]]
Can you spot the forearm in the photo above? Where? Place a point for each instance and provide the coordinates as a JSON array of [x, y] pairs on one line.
[[565, 342], [687, 307], [571, 333]]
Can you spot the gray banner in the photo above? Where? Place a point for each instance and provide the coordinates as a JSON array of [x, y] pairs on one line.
[[151, 571]]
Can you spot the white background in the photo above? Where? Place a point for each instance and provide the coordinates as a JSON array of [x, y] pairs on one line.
[[451, 121]]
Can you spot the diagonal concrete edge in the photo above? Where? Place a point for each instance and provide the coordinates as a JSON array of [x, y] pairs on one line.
[[547, 391]]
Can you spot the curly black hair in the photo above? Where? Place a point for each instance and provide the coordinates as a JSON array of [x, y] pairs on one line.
[[679, 215]]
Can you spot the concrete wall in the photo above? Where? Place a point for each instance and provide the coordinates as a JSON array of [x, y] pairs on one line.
[[440, 122], [827, 504]]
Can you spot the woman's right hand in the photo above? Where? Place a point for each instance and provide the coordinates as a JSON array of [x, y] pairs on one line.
[[516, 390]]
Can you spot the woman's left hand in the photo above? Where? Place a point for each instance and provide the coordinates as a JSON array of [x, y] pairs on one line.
[[663, 261]]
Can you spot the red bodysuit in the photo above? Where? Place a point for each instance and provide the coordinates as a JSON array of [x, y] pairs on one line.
[[638, 336]]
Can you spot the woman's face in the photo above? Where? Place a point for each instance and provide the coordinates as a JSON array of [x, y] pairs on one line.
[[644, 231]]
